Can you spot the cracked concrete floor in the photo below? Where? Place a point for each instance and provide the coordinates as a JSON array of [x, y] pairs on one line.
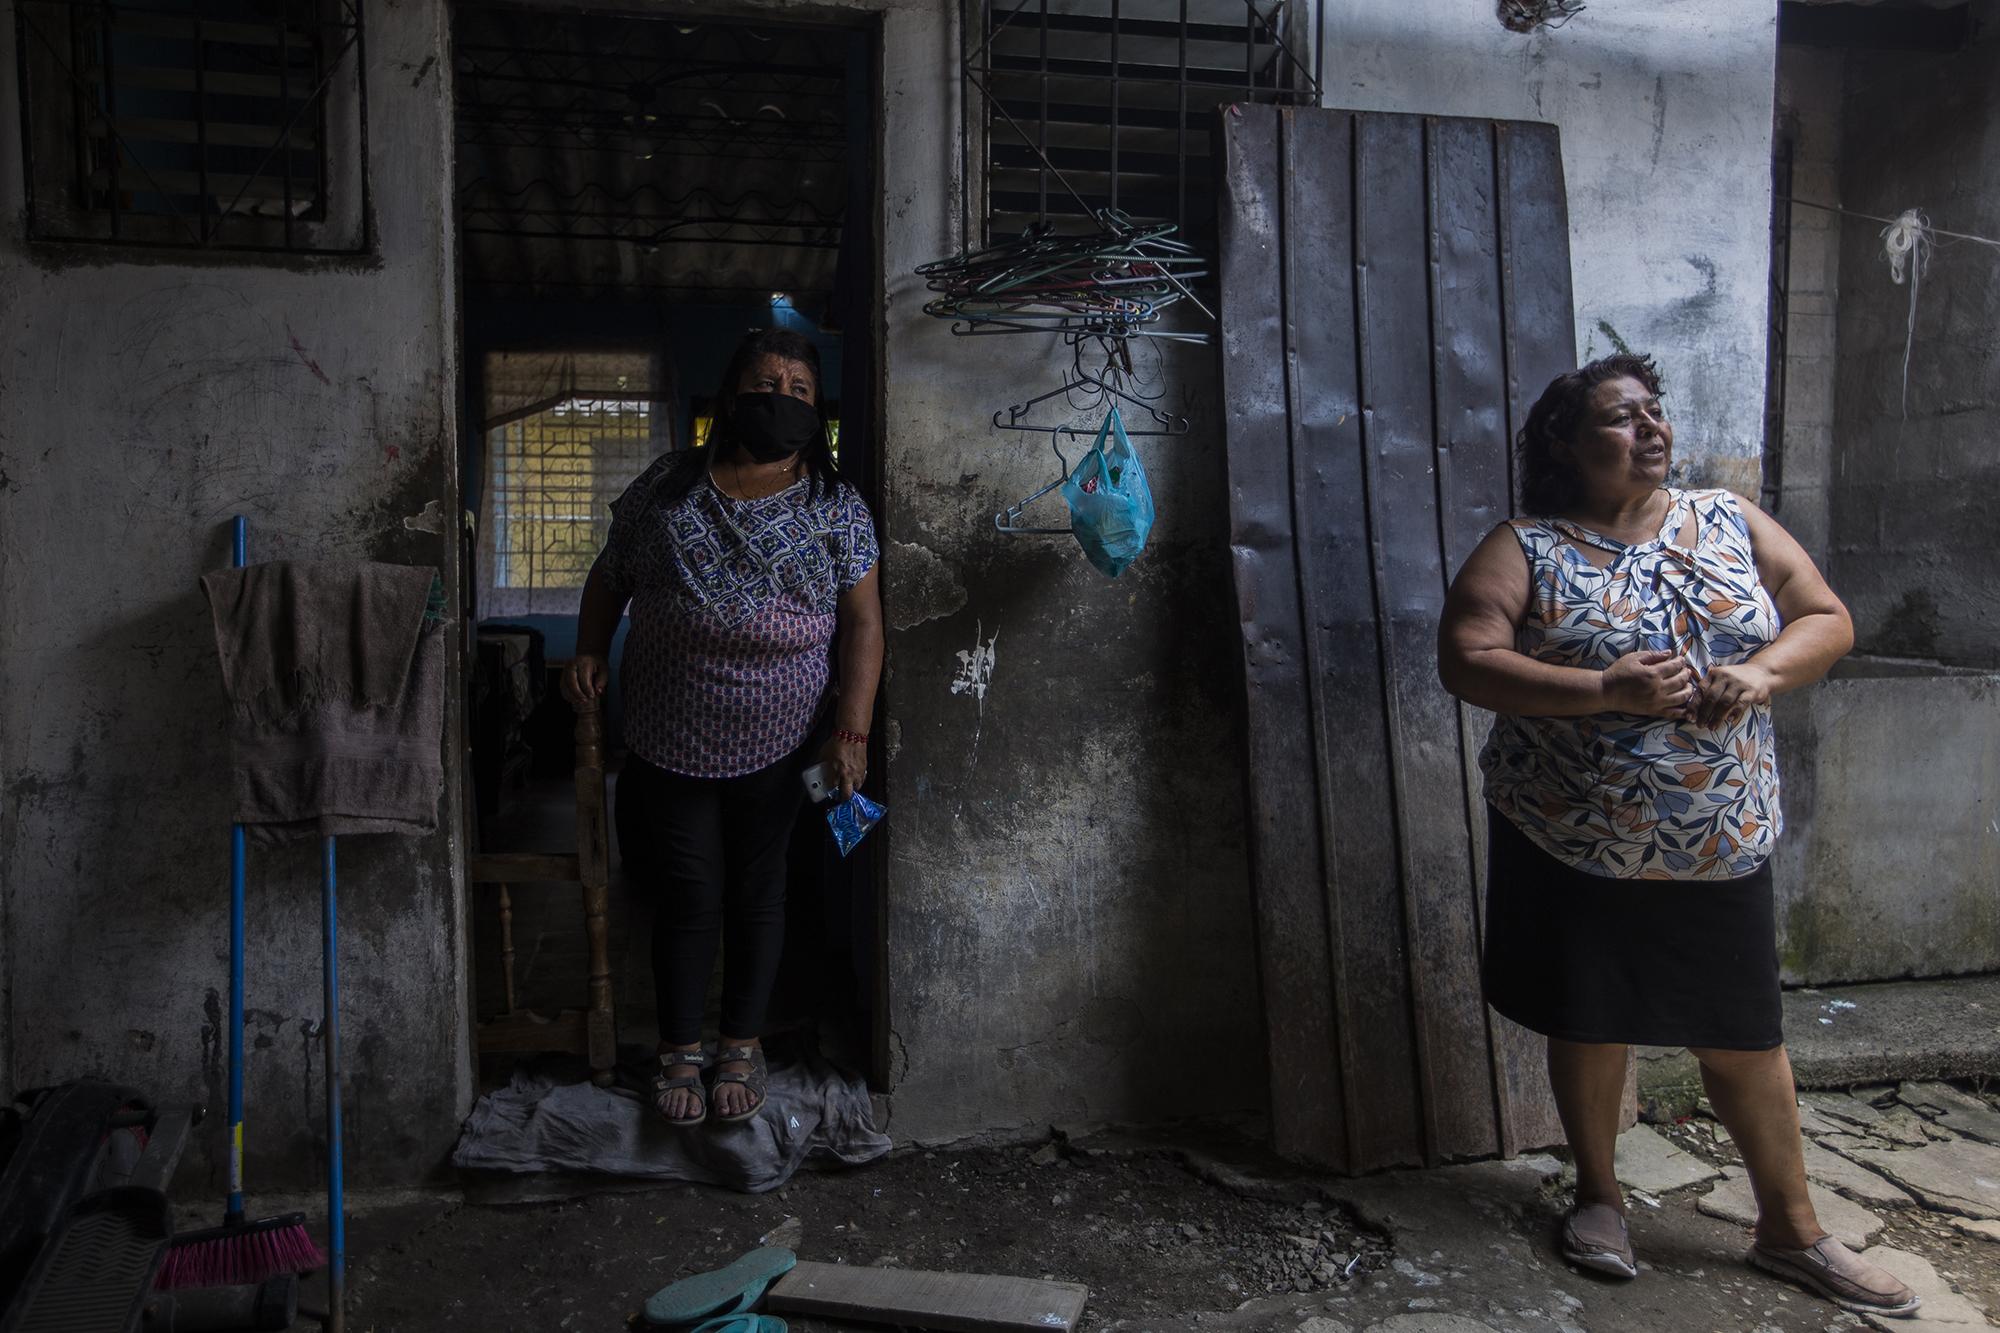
[[1173, 1239]]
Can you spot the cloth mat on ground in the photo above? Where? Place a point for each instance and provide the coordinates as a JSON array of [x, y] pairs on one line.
[[812, 1113]]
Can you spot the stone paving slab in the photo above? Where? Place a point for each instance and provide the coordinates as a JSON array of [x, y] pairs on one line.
[[1844, 1108], [1851, 1224], [1815, 1122], [1851, 1178], [1943, 1310], [1960, 1112], [1960, 1177], [1647, 1161]]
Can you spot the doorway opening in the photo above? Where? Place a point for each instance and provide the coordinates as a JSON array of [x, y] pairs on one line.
[[633, 194]]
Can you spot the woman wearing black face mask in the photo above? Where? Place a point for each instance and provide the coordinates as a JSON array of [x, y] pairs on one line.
[[756, 631]]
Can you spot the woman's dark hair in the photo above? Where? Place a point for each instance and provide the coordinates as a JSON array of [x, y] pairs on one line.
[[823, 473], [1549, 485]]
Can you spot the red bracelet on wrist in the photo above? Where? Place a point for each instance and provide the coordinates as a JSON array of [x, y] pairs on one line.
[[851, 737]]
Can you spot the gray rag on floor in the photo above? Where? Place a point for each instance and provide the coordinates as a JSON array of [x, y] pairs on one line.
[[336, 686], [812, 1113]]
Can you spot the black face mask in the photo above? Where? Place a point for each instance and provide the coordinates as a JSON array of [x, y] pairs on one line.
[[772, 426]]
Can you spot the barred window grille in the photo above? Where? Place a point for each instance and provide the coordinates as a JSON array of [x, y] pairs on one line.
[[1081, 105], [195, 124], [575, 431]]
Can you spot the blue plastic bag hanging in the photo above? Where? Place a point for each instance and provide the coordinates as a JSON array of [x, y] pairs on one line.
[[1110, 505], [851, 819]]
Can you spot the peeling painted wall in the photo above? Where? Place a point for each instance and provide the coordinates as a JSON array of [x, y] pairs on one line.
[[1665, 112], [143, 401], [1913, 499], [1069, 911], [1068, 889]]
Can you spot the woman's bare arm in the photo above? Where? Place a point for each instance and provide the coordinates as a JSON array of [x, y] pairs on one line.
[[1815, 632], [1477, 660]]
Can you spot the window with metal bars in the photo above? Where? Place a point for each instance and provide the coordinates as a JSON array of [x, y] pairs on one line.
[[1073, 106], [195, 124], [565, 435]]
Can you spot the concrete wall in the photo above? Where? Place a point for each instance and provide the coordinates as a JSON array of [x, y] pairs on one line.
[[1067, 883], [1913, 508], [142, 403], [1892, 849], [1068, 901], [1665, 113], [1892, 853], [1069, 910], [1810, 83]]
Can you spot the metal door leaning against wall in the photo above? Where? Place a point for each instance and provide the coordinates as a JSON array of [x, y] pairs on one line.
[[1395, 293]]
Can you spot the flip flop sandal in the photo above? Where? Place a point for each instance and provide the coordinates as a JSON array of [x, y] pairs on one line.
[[729, 1323], [741, 1323], [724, 1291], [1828, 1268], [698, 1060], [1599, 1251], [754, 1078]]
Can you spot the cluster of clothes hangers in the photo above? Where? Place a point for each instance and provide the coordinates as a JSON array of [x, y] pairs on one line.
[[1115, 282], [1103, 295]]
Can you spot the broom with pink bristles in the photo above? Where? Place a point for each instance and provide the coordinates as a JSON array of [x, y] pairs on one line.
[[238, 1252]]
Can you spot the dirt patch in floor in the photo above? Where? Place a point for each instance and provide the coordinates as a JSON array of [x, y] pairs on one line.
[[1142, 1231]]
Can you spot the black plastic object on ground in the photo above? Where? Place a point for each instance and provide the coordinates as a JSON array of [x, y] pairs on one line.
[[95, 1274], [51, 1162]]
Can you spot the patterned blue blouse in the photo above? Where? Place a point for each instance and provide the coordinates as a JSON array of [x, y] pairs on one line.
[[733, 615], [1643, 797]]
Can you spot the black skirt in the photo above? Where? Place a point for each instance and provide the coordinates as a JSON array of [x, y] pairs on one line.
[[1647, 962]]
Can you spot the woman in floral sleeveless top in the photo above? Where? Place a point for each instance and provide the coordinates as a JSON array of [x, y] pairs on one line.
[[1630, 636]]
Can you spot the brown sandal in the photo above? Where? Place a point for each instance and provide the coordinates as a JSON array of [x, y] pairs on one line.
[[663, 1085], [753, 1078]]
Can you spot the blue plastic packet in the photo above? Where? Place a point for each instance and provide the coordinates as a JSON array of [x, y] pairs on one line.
[[851, 819]]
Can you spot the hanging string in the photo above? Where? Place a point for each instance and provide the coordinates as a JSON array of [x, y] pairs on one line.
[[1907, 245], [1907, 242], [1876, 217]]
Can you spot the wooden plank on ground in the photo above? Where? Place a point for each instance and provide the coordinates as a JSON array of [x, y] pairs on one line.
[[953, 1302]]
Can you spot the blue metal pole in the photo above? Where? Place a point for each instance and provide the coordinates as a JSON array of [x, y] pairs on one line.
[[233, 1209], [336, 1217]]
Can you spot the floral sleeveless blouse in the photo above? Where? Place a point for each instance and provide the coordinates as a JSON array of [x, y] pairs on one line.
[[1633, 797]]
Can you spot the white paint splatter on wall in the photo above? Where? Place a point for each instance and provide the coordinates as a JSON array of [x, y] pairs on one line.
[[975, 666]]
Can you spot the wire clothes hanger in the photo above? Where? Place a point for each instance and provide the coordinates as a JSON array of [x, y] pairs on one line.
[[1102, 393], [1113, 282], [1090, 392]]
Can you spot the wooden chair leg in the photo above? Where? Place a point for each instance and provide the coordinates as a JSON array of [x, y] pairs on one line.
[[593, 855], [507, 945]]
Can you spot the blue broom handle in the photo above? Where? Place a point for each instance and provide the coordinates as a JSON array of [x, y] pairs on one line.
[[233, 1209], [336, 1219]]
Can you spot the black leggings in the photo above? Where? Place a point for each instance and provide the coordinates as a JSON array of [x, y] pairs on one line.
[[718, 852]]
